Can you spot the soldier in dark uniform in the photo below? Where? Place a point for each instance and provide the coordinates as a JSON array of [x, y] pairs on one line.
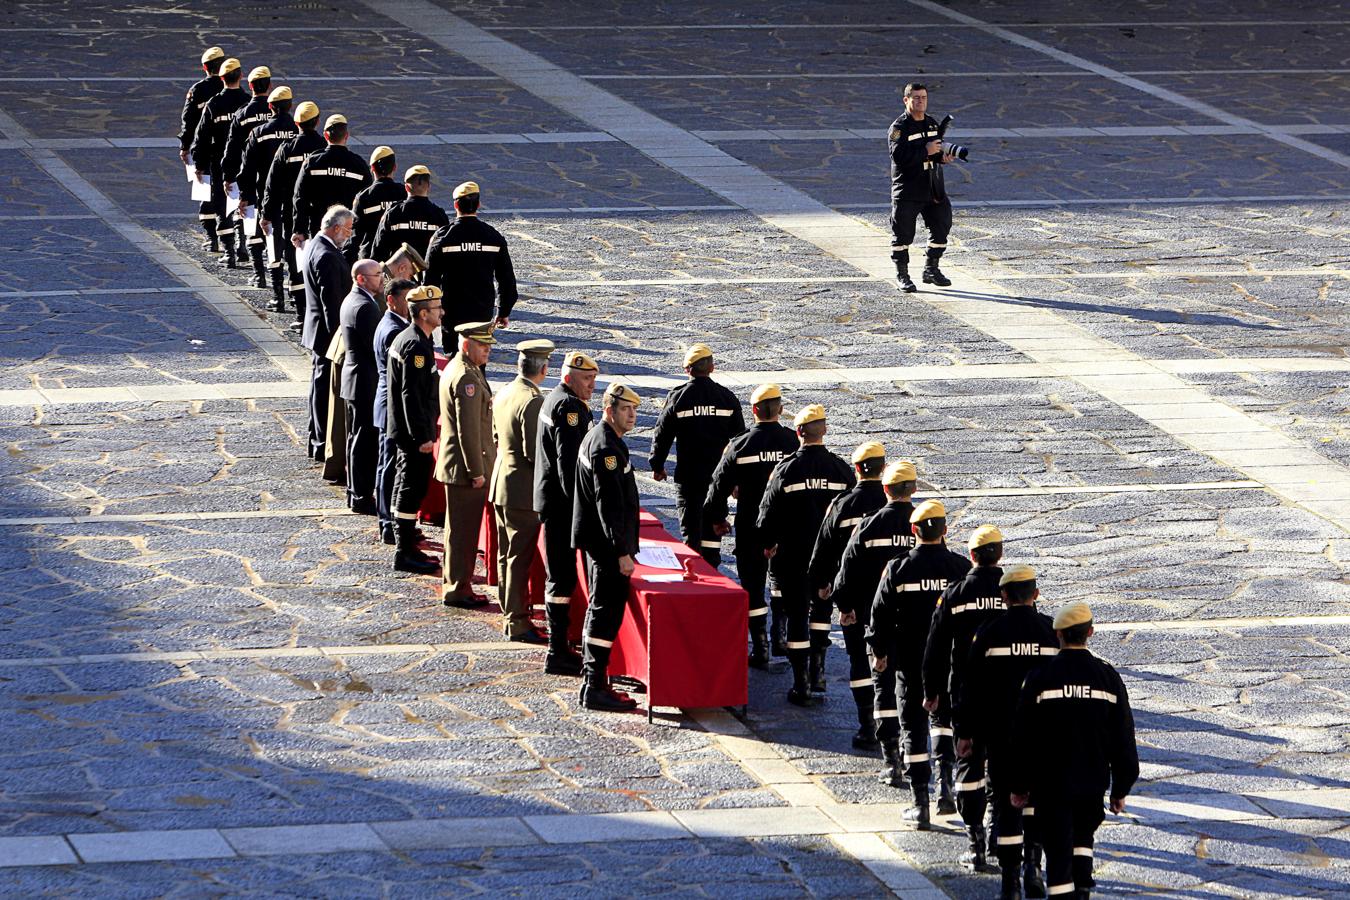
[[392, 323], [564, 419], [278, 191], [698, 417], [412, 221], [208, 149], [197, 95], [605, 526], [962, 609], [249, 116], [917, 188], [744, 471], [260, 148], [412, 407], [879, 538], [331, 177], [844, 514], [373, 202], [469, 260], [1073, 739], [794, 504], [901, 612]]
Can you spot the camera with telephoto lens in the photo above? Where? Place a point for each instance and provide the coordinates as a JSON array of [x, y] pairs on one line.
[[954, 149]]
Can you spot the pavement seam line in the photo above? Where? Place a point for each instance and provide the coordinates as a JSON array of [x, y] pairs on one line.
[[221, 297]]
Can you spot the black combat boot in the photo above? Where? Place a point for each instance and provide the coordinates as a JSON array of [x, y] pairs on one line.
[[255, 253], [1011, 888], [778, 630], [211, 244], [228, 259], [816, 670], [919, 813], [891, 774], [278, 302], [799, 694], [946, 804], [903, 279], [407, 556], [759, 644], [1033, 883], [596, 694], [866, 736], [561, 659], [931, 273], [974, 858]]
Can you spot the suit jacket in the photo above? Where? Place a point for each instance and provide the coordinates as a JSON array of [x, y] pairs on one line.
[[358, 318], [515, 426], [328, 279], [385, 332], [465, 449]]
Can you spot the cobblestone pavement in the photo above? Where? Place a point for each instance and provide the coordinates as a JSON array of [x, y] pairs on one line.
[[211, 683]]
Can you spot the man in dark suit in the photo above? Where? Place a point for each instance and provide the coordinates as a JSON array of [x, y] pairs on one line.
[[327, 281], [395, 319], [358, 318]]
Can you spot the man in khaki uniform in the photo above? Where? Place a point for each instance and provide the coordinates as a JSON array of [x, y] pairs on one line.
[[464, 459], [515, 425]]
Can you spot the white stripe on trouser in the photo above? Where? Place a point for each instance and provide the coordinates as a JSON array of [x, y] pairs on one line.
[[1028, 811], [931, 245], [559, 601], [887, 714], [916, 757], [710, 543], [599, 642], [860, 682], [820, 626], [941, 732], [899, 246], [799, 645], [762, 611], [1083, 851], [1056, 889], [206, 218], [1010, 841], [971, 785], [775, 593], [402, 515]]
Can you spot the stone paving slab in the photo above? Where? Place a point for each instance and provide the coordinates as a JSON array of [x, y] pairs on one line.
[[72, 16]]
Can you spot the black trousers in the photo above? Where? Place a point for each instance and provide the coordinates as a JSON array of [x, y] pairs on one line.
[[789, 580], [1065, 828], [412, 474], [319, 388], [609, 599], [940, 727], [560, 557], [223, 222], [900, 714], [859, 666], [384, 477], [697, 534], [937, 218], [363, 451], [1013, 826], [753, 570], [972, 787]]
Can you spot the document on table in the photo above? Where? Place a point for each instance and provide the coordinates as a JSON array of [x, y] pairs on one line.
[[664, 578], [201, 188], [656, 556]]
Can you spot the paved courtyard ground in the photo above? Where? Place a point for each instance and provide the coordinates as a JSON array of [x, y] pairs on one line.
[[211, 682]]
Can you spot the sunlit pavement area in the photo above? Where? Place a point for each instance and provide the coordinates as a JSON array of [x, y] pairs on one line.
[[211, 682]]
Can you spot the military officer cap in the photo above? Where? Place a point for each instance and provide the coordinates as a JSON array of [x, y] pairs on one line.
[[766, 392], [306, 111], [580, 362], [477, 331], [812, 413], [899, 471], [928, 509], [1016, 574], [984, 535], [380, 153], [465, 189], [621, 391], [212, 53], [414, 171], [1071, 614], [869, 450], [260, 72], [695, 353], [540, 347], [423, 293], [279, 93], [229, 65], [334, 119]]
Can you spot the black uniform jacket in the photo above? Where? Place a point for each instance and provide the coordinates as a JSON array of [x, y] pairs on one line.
[[564, 419], [1003, 653], [248, 117], [914, 174], [208, 146], [260, 148], [463, 260], [193, 104], [745, 467], [412, 221], [878, 539], [799, 492], [279, 189], [605, 505], [1074, 732], [412, 383], [331, 177], [699, 417], [905, 599], [370, 206], [846, 512], [962, 609]]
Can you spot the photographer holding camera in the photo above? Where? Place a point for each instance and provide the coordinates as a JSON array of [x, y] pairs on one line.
[[917, 189]]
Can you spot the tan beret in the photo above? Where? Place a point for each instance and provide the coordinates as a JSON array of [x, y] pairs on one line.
[[229, 65], [622, 392], [695, 353], [766, 392], [537, 347], [477, 331], [305, 112], [260, 72], [579, 361], [334, 119], [869, 450], [465, 189], [899, 470], [380, 153], [1071, 614], [279, 93], [424, 292], [812, 413], [414, 171], [928, 509], [985, 534], [212, 53], [1016, 574]]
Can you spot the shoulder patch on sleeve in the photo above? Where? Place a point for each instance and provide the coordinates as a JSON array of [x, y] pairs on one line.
[[419, 360], [573, 418], [611, 463], [468, 389]]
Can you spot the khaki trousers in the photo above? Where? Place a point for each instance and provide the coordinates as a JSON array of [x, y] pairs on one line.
[[517, 538], [463, 520]]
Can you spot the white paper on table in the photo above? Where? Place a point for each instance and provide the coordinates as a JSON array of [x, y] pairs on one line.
[[232, 199], [656, 556], [250, 219], [201, 189], [664, 579]]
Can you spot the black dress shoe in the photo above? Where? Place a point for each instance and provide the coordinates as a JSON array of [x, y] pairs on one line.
[[559, 664], [800, 698], [529, 637], [415, 565], [466, 601], [364, 507], [605, 700], [387, 535]]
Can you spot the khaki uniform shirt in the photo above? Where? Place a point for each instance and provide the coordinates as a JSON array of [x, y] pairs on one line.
[[465, 449], [515, 423]]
